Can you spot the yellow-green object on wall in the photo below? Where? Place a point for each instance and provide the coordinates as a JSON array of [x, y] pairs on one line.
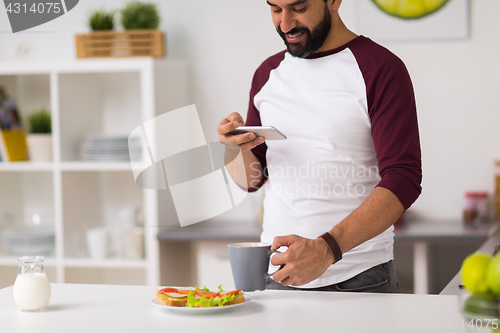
[[409, 9]]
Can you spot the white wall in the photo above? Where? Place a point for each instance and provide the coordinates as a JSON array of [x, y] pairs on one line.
[[456, 88], [224, 41]]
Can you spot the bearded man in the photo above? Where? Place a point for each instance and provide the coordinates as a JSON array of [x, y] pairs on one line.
[[351, 164]]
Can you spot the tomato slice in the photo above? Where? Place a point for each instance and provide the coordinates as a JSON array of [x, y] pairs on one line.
[[234, 292], [184, 291], [207, 294], [167, 290]]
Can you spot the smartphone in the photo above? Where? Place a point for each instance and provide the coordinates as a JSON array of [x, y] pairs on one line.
[[268, 132]]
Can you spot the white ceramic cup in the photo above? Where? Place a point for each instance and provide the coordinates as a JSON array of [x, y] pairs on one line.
[[98, 242], [127, 216], [133, 240]]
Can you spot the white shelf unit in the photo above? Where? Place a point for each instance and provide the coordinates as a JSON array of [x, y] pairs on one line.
[[110, 97]]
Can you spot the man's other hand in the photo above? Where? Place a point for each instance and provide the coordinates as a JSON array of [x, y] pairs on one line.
[[305, 259]]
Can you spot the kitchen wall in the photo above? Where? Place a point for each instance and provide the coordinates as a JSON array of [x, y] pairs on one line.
[[224, 41]]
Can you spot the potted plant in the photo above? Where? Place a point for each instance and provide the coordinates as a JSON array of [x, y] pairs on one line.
[[102, 23], [40, 135], [140, 37], [140, 15], [140, 21], [100, 20]]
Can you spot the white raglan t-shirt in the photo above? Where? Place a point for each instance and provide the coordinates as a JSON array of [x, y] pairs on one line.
[[335, 107]]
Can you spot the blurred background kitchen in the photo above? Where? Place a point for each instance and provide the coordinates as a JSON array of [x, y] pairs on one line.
[[81, 208]]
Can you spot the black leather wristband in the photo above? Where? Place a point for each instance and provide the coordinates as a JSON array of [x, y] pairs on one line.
[[333, 245]]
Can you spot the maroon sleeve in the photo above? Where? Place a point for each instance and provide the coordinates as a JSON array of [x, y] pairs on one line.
[[392, 110], [260, 78]]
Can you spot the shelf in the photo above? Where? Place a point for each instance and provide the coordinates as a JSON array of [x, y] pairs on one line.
[[68, 166], [104, 263], [82, 262], [108, 97], [12, 261], [79, 66], [25, 166], [96, 166]]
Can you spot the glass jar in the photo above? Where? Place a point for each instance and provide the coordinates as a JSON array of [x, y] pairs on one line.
[[32, 288], [476, 207], [497, 189]]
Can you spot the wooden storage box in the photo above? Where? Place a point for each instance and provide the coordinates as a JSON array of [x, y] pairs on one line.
[[127, 43]]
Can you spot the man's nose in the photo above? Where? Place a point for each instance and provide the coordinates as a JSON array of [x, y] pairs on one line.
[[288, 21]]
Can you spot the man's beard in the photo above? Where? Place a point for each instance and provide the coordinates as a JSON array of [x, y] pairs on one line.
[[312, 41]]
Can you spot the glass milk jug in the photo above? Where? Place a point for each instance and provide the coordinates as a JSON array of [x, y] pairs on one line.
[[32, 288]]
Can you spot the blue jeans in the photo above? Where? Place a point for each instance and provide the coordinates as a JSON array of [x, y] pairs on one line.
[[378, 279]]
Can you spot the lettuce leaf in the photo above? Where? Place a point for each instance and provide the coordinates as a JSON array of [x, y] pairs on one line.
[[191, 300], [206, 302], [204, 288]]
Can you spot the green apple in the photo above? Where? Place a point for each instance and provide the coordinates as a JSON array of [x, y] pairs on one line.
[[473, 273], [493, 275]]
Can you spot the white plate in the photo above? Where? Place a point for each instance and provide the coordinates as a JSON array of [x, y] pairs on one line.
[[187, 309]]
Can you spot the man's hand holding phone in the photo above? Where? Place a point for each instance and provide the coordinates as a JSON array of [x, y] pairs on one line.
[[243, 142], [244, 167]]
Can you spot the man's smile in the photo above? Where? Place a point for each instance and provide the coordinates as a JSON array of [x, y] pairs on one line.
[[296, 37]]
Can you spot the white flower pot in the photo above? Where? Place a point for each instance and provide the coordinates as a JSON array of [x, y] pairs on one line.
[[40, 147]]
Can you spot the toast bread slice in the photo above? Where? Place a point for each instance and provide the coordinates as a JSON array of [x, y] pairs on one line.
[[183, 301], [171, 301], [175, 301], [239, 299]]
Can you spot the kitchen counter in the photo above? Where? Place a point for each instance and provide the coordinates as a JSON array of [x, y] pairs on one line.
[[407, 231], [420, 234], [212, 231], [453, 287], [80, 308], [444, 231], [425, 233]]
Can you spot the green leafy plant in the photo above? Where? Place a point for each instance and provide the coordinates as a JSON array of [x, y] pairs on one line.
[[140, 15], [40, 121], [101, 20]]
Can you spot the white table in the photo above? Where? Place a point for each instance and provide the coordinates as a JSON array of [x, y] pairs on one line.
[[421, 234], [104, 308]]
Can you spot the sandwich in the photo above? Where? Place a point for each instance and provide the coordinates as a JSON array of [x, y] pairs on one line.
[[196, 297]]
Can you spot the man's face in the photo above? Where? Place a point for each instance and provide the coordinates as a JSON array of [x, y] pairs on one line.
[[304, 25]]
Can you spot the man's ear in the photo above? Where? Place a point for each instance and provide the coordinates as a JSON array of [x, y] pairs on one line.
[[334, 4]]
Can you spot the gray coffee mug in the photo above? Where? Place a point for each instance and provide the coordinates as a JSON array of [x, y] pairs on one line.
[[249, 264]]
